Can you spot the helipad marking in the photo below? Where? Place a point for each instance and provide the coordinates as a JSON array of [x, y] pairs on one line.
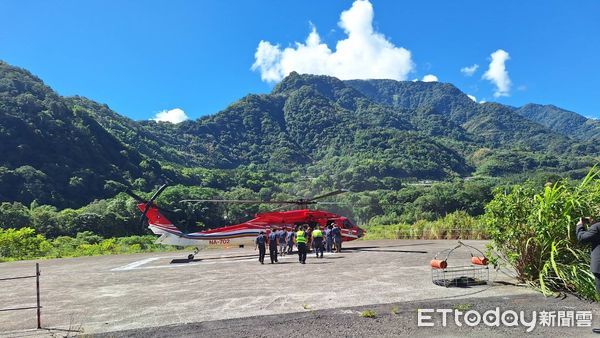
[[139, 265], [134, 265]]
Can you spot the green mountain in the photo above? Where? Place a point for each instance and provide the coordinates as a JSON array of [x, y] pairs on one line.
[[51, 152], [359, 135], [565, 122]]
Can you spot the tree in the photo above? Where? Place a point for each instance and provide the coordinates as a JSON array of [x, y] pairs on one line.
[[14, 215]]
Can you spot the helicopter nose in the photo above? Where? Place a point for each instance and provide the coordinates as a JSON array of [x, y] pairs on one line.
[[360, 232]]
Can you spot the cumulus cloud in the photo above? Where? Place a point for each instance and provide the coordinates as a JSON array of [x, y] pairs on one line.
[[497, 73], [364, 54], [176, 115], [472, 97], [470, 70], [430, 78]]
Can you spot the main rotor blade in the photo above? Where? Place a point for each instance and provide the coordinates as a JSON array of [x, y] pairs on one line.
[[333, 193], [241, 201], [134, 196], [157, 193], [331, 203]]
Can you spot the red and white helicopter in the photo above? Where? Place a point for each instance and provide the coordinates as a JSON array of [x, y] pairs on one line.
[[243, 233]]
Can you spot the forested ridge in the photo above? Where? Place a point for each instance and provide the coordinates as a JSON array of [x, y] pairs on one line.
[[66, 160]]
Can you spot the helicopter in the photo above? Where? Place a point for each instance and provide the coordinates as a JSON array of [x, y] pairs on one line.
[[243, 233]]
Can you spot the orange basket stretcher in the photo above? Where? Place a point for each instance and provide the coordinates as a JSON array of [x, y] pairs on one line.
[[474, 272]]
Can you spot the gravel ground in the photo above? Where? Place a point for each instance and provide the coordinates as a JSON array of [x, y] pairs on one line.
[[397, 319]]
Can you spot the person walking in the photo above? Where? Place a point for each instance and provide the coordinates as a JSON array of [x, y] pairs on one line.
[[290, 241], [317, 235], [337, 237], [261, 246], [328, 238], [273, 238], [282, 234], [591, 235], [301, 244], [308, 233]]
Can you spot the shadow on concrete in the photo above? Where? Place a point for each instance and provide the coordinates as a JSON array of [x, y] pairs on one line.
[[185, 260], [380, 249], [400, 251]]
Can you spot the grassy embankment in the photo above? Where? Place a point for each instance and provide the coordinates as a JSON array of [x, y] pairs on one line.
[[457, 225], [22, 244]]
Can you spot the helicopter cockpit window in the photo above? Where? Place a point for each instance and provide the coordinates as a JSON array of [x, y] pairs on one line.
[[347, 224]]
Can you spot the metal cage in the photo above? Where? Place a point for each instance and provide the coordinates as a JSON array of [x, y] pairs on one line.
[[465, 275]]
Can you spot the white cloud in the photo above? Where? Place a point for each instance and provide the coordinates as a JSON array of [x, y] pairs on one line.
[[470, 70], [497, 73], [176, 115], [472, 97], [430, 78], [364, 54]]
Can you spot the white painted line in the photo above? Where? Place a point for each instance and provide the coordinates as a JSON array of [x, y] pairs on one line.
[[139, 265], [136, 264]]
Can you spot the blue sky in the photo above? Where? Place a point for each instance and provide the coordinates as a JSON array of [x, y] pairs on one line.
[[144, 57]]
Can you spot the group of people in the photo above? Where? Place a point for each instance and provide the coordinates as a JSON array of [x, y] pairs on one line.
[[281, 241]]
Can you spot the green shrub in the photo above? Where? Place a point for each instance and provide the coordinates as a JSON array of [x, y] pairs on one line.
[[26, 244], [23, 243], [368, 314], [535, 234]]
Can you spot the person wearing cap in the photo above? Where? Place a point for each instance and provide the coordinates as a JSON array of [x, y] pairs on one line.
[[261, 246]]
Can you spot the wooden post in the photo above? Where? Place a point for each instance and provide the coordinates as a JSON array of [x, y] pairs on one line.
[[37, 284]]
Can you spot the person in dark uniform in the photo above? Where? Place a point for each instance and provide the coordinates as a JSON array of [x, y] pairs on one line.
[[261, 245], [273, 244], [336, 232], [591, 235]]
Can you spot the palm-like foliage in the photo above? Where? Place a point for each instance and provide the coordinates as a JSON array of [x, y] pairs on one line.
[[535, 233]]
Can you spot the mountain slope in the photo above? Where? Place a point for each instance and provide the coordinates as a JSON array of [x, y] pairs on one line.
[[494, 124], [358, 135], [50, 152], [565, 122]]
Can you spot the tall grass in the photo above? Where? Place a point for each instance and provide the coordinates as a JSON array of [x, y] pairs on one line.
[[534, 232], [457, 225]]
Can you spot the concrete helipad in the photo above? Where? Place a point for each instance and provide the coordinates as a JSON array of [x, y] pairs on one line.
[[110, 293]]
